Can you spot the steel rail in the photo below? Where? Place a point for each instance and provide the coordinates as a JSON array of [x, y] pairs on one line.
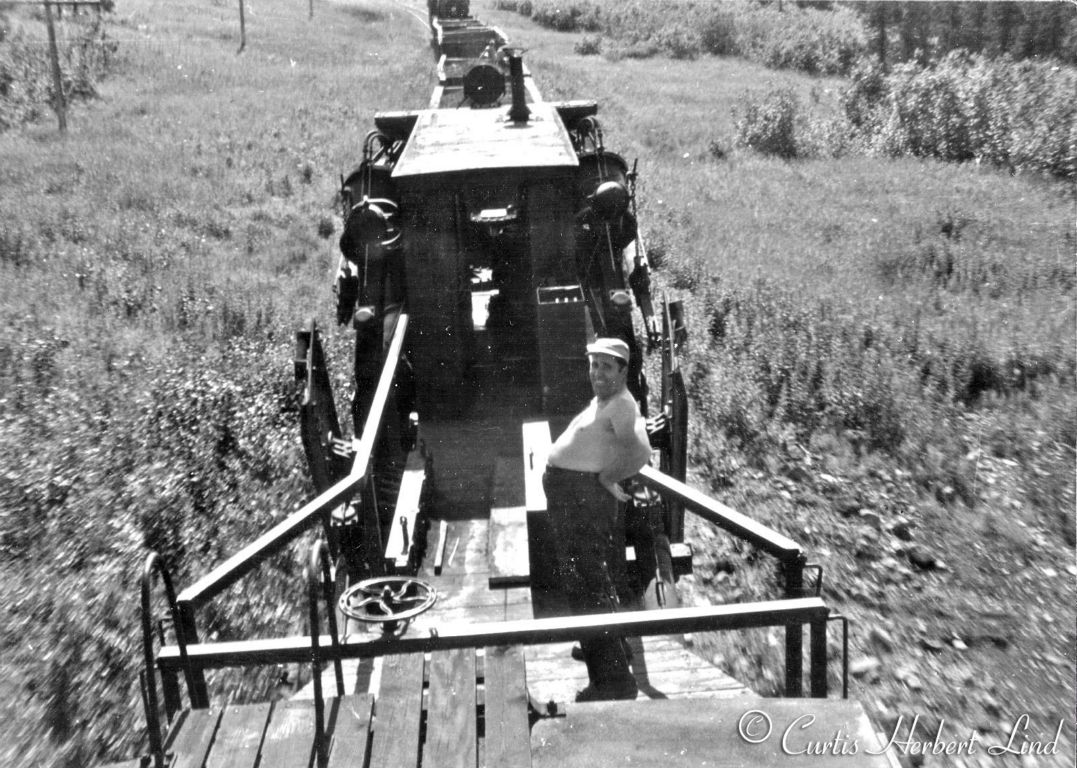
[[794, 612], [727, 518], [290, 650]]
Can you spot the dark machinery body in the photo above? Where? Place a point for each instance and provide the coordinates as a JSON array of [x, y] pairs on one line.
[[506, 232]]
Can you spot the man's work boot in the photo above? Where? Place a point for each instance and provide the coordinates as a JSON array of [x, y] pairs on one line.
[[622, 690]]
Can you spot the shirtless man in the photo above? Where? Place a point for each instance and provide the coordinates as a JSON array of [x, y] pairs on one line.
[[602, 446]]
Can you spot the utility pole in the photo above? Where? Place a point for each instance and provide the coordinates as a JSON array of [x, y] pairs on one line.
[[242, 29], [57, 80]]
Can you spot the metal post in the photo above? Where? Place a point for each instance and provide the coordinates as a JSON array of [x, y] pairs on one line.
[[370, 515], [197, 680], [57, 80], [817, 671], [794, 633], [170, 690]]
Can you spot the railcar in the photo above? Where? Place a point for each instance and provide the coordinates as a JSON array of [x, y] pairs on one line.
[[487, 238]]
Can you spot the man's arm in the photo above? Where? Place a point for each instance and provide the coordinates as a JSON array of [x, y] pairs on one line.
[[632, 449]]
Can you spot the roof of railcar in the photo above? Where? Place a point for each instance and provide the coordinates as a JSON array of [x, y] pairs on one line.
[[455, 140]]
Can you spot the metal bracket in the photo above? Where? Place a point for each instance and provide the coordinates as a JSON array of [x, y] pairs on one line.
[[543, 711], [404, 532]]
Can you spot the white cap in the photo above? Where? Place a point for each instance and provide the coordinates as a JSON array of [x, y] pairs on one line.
[[612, 347]]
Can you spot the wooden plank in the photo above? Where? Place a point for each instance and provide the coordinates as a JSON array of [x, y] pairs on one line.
[[508, 485], [662, 668], [349, 729], [507, 727], [439, 557], [510, 559], [452, 719], [509, 553], [397, 547], [239, 736], [541, 557], [289, 738], [191, 740], [537, 443], [694, 732], [398, 710], [466, 549]]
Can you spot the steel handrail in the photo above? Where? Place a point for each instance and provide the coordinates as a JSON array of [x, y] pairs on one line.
[[468, 634], [276, 538], [155, 563], [740, 525]]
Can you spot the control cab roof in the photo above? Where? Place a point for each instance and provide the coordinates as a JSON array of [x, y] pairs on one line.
[[452, 141]]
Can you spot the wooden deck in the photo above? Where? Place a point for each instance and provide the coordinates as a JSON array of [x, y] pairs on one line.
[[475, 707], [479, 706], [443, 709], [678, 733], [664, 667]]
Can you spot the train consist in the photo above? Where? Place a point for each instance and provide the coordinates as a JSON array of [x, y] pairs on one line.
[[487, 238], [504, 229]]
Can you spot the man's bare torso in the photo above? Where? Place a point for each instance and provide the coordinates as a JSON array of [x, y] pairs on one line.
[[589, 442]]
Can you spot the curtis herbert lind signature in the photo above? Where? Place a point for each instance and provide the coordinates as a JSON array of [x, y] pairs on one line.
[[796, 738]]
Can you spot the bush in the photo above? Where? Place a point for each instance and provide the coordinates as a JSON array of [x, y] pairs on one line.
[[717, 33], [768, 126], [572, 17], [680, 42], [817, 41], [588, 45], [1017, 115]]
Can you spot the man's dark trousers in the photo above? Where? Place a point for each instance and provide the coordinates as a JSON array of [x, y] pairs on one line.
[[583, 516]]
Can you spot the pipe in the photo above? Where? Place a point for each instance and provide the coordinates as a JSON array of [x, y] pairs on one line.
[[519, 112]]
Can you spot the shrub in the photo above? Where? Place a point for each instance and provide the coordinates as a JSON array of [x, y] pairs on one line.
[[1017, 115], [588, 45], [819, 42], [768, 126], [680, 42], [566, 17], [717, 33]]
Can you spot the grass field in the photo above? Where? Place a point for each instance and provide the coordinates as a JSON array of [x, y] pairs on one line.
[[155, 264], [905, 327]]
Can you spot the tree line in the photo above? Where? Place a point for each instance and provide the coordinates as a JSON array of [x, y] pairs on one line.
[[921, 31]]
